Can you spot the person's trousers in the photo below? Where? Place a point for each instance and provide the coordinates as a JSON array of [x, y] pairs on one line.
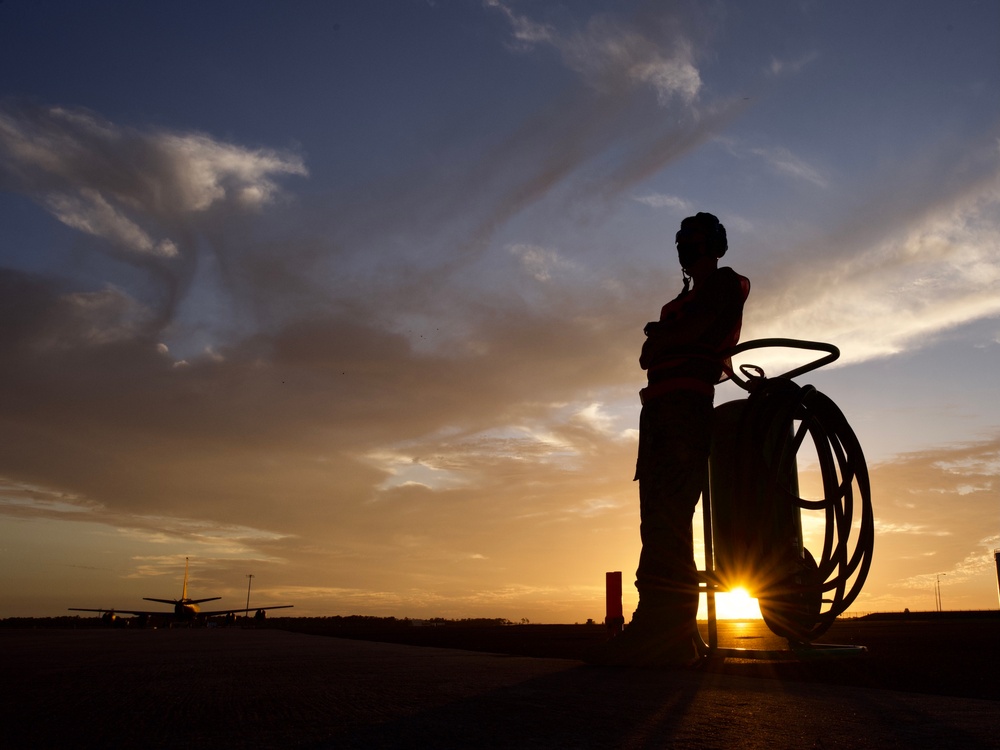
[[675, 433]]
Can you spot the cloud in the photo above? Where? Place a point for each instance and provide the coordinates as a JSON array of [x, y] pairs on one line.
[[785, 162], [149, 195], [91, 213], [525, 31], [539, 262], [659, 200], [24, 501], [608, 53], [18, 497], [921, 496], [909, 528], [159, 173], [780, 67], [891, 283], [778, 159]]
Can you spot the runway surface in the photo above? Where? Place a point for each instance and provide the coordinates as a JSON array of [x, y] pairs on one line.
[[270, 688]]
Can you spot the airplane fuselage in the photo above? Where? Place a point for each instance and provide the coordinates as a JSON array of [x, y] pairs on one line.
[[185, 611]]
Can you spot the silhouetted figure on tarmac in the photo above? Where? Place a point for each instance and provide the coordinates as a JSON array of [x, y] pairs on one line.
[[683, 359]]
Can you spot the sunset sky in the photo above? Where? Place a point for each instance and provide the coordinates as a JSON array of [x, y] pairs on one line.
[[350, 295]]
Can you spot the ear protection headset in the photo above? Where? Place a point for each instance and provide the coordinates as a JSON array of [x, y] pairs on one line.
[[708, 225]]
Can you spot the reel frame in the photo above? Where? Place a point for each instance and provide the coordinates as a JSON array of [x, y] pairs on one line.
[[800, 594]]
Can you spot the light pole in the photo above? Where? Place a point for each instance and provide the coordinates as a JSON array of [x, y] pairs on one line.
[[937, 590], [250, 583], [996, 559]]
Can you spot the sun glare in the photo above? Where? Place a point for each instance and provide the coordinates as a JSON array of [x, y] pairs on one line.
[[736, 604]]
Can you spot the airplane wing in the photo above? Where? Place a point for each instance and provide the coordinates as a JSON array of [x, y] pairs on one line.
[[116, 611], [242, 609], [164, 613]]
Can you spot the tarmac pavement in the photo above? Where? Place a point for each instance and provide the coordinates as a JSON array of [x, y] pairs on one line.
[[238, 688]]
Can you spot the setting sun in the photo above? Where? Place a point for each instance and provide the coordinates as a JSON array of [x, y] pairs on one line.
[[736, 605]]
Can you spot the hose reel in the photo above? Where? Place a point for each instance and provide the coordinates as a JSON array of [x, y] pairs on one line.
[[754, 524]]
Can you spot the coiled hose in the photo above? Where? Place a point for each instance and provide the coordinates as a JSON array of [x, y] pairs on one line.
[[800, 592]]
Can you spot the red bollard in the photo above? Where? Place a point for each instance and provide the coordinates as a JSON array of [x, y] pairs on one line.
[[613, 619]]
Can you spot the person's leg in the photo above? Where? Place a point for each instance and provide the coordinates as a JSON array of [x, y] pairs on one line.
[[670, 484], [675, 433]]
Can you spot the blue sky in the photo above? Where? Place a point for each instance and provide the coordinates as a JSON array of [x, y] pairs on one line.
[[350, 295]]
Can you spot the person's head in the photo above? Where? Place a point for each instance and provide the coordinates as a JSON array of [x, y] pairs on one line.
[[701, 241]]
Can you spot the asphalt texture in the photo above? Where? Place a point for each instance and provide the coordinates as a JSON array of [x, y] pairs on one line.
[[928, 686]]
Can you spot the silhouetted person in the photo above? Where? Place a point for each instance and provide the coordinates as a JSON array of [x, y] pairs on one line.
[[683, 359]]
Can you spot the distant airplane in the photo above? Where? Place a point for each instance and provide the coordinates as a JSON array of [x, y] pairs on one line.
[[185, 609]]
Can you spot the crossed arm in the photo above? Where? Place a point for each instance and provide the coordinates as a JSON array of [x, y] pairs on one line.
[[692, 324]]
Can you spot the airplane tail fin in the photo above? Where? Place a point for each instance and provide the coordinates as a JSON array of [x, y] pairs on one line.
[[184, 591]]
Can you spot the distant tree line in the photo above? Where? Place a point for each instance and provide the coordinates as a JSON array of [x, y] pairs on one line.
[[370, 623], [297, 623]]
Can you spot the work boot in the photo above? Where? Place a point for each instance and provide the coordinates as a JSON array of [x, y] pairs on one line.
[[649, 640]]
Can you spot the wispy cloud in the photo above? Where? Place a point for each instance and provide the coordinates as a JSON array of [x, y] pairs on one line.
[[660, 200], [149, 194], [525, 31], [539, 262], [49, 150], [887, 292], [778, 159], [780, 67], [608, 52], [908, 528], [787, 163], [607, 55], [91, 213]]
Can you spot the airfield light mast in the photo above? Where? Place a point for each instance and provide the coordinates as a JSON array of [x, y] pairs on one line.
[[249, 584], [996, 559]]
